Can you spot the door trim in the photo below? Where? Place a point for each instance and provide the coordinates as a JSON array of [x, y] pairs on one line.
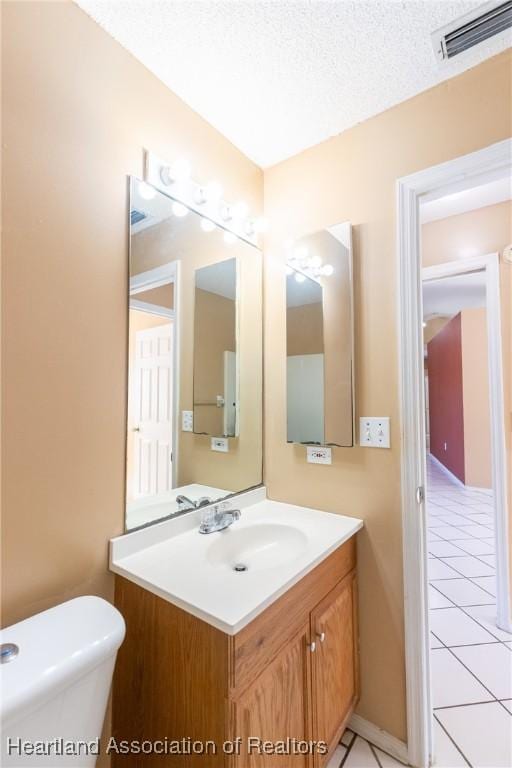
[[144, 281], [439, 180]]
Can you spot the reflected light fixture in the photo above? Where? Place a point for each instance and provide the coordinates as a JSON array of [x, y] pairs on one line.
[[179, 209], [300, 277], [146, 191], [207, 225], [229, 238]]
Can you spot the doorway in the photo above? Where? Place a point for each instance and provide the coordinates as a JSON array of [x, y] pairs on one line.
[[431, 184]]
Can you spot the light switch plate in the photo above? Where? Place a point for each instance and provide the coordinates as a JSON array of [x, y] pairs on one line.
[[374, 431], [187, 421], [318, 454], [220, 444]]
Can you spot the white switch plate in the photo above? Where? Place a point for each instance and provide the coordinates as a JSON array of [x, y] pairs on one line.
[[318, 454], [187, 421], [220, 444], [374, 431]]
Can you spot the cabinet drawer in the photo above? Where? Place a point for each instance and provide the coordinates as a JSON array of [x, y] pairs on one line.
[[254, 647]]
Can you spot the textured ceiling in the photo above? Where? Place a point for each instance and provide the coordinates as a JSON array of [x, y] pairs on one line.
[[277, 77]]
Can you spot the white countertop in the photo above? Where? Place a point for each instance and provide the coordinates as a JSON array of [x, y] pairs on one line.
[[279, 542]]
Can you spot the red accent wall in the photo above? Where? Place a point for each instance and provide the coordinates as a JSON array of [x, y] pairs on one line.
[[444, 363]]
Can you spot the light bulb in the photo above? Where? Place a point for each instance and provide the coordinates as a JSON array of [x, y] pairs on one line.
[[240, 210], [146, 190], [327, 270], [213, 191], [207, 225], [300, 277], [315, 262], [226, 213], [179, 210], [180, 169], [301, 253], [229, 238], [261, 224], [424, 324]]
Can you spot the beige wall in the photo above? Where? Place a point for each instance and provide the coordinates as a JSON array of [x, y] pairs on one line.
[[72, 132], [352, 177], [475, 397], [214, 334]]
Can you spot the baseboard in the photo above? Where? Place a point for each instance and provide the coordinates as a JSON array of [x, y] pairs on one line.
[[447, 471], [379, 738]]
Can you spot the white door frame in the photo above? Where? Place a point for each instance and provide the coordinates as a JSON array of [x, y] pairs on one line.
[[144, 281], [437, 181]]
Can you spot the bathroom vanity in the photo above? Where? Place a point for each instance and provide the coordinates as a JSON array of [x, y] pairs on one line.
[[215, 653]]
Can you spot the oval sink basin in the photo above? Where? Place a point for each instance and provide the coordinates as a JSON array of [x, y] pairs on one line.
[[257, 547]]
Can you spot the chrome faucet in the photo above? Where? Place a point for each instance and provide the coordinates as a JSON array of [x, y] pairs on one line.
[[184, 503], [218, 517]]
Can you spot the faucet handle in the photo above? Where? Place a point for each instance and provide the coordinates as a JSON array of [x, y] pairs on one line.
[[208, 515]]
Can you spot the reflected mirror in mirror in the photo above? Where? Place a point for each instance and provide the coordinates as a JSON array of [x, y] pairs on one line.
[[215, 353], [195, 360], [319, 339]]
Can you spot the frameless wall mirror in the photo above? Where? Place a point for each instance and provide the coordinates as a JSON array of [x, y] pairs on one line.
[[194, 422], [319, 339], [215, 350]]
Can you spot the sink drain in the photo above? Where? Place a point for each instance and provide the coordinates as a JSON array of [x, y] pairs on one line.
[[240, 567]]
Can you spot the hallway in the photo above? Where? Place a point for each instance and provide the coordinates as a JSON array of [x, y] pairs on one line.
[[471, 658]]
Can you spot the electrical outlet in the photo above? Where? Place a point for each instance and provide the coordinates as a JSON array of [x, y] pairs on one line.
[[187, 421], [220, 444], [374, 431], [318, 454]]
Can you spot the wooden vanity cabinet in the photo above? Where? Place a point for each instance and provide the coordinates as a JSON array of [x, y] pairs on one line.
[[292, 673]]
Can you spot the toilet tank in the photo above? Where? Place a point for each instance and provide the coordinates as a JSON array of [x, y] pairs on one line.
[[54, 688]]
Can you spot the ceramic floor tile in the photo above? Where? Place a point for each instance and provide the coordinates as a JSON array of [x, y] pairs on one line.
[[439, 570], [361, 756], [434, 642], [386, 761], [452, 684], [463, 592], [482, 519], [437, 600], [489, 559], [486, 616], [444, 549], [453, 519], [491, 664], [337, 757], [478, 531], [469, 566], [475, 547], [482, 733], [453, 627], [450, 532], [446, 754], [347, 737], [433, 537], [508, 705], [486, 582]]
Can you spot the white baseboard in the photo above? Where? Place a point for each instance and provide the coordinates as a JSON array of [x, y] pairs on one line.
[[447, 471], [379, 738]]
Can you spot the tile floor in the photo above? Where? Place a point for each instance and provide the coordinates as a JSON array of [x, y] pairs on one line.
[[471, 659]]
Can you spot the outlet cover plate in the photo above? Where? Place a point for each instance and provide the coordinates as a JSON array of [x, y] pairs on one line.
[[220, 444], [374, 431], [318, 454], [187, 421]]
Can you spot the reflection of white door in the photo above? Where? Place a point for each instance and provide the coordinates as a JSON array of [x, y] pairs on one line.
[[305, 398], [151, 411], [229, 394]]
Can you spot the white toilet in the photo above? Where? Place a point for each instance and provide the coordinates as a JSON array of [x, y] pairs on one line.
[[55, 676]]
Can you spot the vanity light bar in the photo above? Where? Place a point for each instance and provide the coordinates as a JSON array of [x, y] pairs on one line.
[[174, 180]]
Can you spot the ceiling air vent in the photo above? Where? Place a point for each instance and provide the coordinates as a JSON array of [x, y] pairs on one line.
[[472, 29]]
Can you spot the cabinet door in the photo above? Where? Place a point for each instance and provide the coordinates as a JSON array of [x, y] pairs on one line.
[[276, 707], [335, 660]]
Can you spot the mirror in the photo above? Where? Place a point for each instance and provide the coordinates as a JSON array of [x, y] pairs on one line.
[[319, 339], [194, 422], [215, 358]]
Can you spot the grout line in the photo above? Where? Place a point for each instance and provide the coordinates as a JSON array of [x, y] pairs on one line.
[[347, 752], [472, 673], [374, 753], [459, 750]]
